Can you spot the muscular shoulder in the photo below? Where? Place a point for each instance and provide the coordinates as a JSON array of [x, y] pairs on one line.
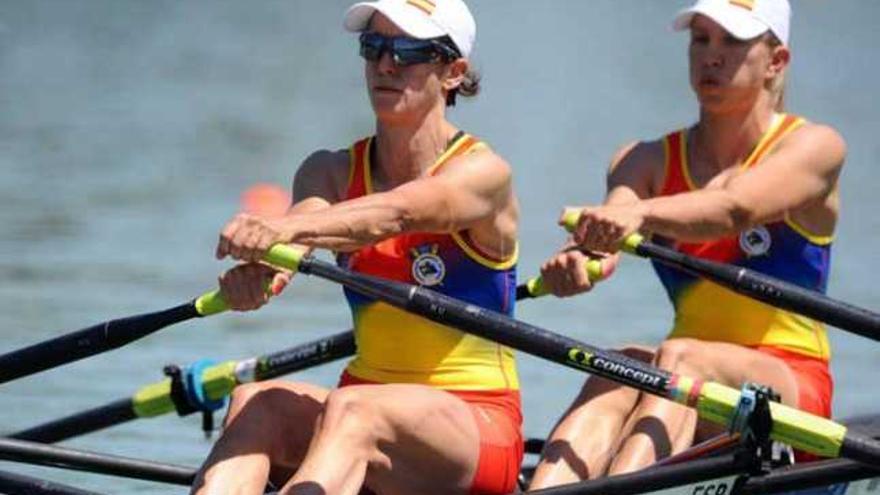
[[640, 165], [820, 145], [324, 174], [482, 164]]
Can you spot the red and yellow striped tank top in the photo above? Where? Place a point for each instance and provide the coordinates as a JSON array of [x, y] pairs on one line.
[[783, 249], [394, 346]]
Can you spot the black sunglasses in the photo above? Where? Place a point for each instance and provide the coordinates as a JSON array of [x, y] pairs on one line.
[[408, 51]]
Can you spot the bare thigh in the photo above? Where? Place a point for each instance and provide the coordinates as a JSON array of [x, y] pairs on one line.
[[277, 416], [428, 436]]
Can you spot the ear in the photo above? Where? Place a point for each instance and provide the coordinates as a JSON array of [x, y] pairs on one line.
[[455, 72], [780, 57]]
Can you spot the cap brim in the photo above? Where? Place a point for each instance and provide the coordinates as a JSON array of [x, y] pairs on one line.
[[410, 21], [735, 21]]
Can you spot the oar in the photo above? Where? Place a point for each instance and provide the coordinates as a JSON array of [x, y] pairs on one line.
[[218, 381], [769, 290], [81, 460], [101, 337], [713, 401]]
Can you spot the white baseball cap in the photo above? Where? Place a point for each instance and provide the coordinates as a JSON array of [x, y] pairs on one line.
[[744, 19], [421, 19]]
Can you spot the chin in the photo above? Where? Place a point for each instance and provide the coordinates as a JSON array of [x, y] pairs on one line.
[[390, 114]]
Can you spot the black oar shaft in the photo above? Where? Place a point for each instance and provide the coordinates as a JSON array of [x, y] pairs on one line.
[[18, 484], [772, 291], [273, 365], [88, 342], [89, 421], [305, 356], [498, 328], [79, 460], [714, 401]]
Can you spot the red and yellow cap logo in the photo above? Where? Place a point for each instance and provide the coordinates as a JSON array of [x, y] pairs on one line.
[[426, 6], [746, 4]]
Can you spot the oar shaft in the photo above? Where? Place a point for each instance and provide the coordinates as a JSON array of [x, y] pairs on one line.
[[80, 460], [772, 291], [304, 356], [713, 401], [99, 418], [154, 399], [497, 327], [88, 342]]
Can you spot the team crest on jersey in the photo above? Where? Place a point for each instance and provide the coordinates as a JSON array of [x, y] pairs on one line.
[[755, 241], [428, 268]]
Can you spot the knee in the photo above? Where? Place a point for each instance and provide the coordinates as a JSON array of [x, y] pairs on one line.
[[349, 411], [254, 400]]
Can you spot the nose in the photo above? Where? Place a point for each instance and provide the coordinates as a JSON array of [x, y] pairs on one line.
[[714, 57], [385, 64]]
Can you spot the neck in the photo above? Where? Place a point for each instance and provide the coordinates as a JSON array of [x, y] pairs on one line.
[[405, 152], [724, 140]]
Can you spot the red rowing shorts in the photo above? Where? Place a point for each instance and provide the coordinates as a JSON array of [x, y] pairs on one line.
[[499, 422], [815, 386]]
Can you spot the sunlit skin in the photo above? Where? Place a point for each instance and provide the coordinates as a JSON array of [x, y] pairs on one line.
[[400, 95], [610, 429], [729, 74]]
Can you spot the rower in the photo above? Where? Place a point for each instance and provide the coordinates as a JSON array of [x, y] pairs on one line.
[[423, 408], [748, 184]]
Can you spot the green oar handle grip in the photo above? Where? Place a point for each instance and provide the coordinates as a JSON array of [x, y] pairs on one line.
[[279, 255], [570, 220], [595, 273], [155, 399]]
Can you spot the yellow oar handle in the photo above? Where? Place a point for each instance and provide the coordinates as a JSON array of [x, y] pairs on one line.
[[570, 220], [595, 273], [279, 255], [717, 403]]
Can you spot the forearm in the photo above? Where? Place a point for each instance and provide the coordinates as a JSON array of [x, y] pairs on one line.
[[370, 219], [696, 216]]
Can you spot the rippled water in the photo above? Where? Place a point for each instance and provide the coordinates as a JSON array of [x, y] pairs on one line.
[[128, 130]]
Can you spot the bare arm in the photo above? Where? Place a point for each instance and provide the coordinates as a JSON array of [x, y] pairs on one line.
[[320, 181], [466, 192], [803, 171], [631, 178], [632, 175]]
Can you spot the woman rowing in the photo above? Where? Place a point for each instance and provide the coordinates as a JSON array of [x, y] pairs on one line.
[[746, 185], [423, 408]]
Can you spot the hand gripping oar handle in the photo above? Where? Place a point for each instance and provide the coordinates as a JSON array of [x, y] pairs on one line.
[[534, 287], [769, 290], [713, 401]]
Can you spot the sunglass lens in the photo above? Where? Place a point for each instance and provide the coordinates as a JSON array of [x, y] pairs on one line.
[[404, 51], [371, 46]]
